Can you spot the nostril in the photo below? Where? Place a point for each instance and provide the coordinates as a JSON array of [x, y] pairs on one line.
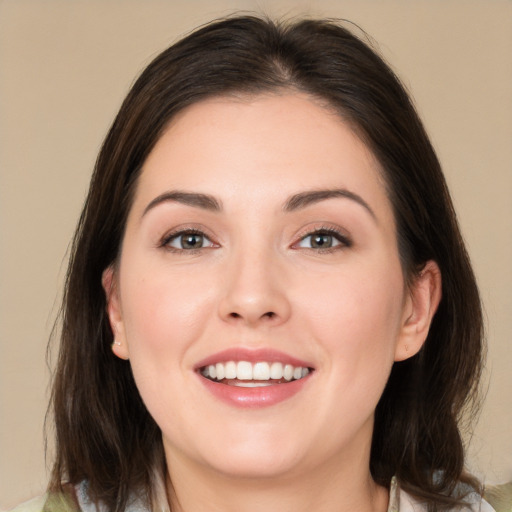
[[269, 314]]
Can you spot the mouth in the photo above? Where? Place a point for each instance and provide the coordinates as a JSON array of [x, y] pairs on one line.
[[245, 374], [254, 379]]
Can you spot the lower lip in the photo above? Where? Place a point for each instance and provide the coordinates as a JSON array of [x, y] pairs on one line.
[[264, 396]]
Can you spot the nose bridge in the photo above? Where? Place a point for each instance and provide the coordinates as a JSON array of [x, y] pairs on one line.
[[254, 289]]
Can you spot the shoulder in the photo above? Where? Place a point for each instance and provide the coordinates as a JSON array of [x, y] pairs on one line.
[[34, 505], [51, 502], [475, 504], [500, 496]]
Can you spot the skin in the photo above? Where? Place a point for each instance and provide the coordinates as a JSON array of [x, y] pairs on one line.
[[259, 283]]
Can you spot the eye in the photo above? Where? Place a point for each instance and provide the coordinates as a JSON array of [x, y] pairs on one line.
[[323, 239], [187, 241]]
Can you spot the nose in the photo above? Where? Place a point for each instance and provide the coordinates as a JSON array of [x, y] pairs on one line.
[[255, 291]]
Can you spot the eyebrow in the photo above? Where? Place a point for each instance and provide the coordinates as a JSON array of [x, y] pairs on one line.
[[293, 203], [195, 199], [304, 199]]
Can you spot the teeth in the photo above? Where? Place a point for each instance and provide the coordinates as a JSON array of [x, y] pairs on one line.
[[288, 372], [251, 384], [244, 370], [261, 371], [220, 371], [255, 374], [276, 371], [230, 370]]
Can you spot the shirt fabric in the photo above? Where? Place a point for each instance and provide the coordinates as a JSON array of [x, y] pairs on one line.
[[399, 501]]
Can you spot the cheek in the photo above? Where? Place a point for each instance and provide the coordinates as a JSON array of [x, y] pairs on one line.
[[356, 316], [164, 313], [164, 316]]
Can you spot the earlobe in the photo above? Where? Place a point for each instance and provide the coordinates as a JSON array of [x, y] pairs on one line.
[[108, 280], [421, 305]]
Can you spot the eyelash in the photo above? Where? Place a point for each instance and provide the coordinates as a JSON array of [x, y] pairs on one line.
[[168, 238], [341, 238]]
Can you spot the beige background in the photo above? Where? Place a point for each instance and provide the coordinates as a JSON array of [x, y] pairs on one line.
[[64, 69]]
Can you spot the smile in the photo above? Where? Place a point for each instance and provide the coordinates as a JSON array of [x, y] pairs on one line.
[[259, 374], [254, 378]]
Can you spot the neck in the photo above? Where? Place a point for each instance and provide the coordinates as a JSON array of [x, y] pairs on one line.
[[331, 488]]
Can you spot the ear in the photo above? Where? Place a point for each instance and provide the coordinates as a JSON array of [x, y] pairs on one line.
[[111, 287], [419, 309]]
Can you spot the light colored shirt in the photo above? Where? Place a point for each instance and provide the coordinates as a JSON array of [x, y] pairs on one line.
[[399, 501]]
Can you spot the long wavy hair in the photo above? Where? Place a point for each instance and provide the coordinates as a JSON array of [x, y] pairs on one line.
[[104, 433]]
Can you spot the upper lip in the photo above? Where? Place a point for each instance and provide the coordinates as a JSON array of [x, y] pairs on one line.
[[268, 355]]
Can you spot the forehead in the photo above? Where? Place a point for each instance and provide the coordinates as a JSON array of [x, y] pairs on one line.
[[260, 148]]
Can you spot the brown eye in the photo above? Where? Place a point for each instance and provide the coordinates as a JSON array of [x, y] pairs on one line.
[[191, 241], [321, 241], [188, 240]]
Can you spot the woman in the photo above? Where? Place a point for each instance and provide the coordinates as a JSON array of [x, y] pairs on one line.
[[269, 304]]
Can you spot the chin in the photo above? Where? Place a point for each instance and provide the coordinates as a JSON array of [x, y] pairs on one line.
[[250, 456], [256, 468]]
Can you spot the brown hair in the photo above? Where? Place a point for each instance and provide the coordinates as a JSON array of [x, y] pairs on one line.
[[104, 433]]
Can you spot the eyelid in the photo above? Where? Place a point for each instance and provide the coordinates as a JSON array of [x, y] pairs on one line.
[[340, 235], [186, 229]]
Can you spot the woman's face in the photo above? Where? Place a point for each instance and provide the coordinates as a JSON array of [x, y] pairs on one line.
[[261, 240]]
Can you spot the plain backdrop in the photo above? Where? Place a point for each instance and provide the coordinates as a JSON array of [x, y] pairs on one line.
[[65, 67]]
